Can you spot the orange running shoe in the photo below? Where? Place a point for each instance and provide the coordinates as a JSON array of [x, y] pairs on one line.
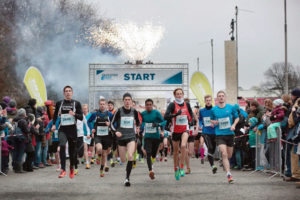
[[62, 174], [151, 175], [72, 173]]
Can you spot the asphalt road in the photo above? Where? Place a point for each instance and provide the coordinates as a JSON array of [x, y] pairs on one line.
[[201, 184]]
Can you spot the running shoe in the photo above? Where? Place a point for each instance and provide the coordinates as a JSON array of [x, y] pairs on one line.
[[92, 161], [202, 161], [214, 169], [161, 159], [166, 159], [106, 169], [182, 173], [153, 160], [134, 164], [230, 179], [82, 161], [188, 171], [76, 172], [101, 173], [72, 173], [62, 174], [112, 163], [177, 174], [142, 160], [87, 166], [151, 175], [127, 183]]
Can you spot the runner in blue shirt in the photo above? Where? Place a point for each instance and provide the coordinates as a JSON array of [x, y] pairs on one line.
[[225, 118]]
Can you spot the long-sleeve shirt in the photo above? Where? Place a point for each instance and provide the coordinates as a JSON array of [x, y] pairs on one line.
[[63, 107], [148, 119]]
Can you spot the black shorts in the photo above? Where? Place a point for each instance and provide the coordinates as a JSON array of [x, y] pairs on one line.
[[228, 140], [53, 147], [210, 141], [176, 137], [151, 146], [106, 141], [80, 148], [191, 139], [123, 143], [197, 137]]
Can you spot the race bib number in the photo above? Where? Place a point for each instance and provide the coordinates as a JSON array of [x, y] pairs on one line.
[[102, 130], [182, 120], [149, 128], [126, 122], [224, 123], [67, 119], [206, 121]]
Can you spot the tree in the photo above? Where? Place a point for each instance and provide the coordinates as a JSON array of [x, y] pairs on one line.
[[275, 79]]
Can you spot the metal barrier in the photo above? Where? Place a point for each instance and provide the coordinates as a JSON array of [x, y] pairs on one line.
[[268, 154]]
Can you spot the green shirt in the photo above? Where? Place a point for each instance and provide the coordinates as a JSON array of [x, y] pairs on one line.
[[148, 119]]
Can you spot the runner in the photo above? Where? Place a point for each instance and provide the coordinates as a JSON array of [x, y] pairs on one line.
[[101, 133], [152, 120], [138, 137], [181, 114], [69, 111], [165, 143], [208, 131], [83, 132], [225, 118], [87, 139], [124, 121], [190, 147], [113, 156]]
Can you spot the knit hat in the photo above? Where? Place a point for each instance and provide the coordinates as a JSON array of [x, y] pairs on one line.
[[6, 99], [253, 121], [296, 92], [21, 112], [12, 103], [278, 102]]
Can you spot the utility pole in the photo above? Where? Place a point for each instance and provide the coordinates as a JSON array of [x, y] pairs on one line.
[[212, 66], [286, 73]]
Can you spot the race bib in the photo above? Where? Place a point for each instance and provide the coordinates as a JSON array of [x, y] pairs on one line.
[[224, 123], [85, 140], [102, 130], [182, 120], [149, 128], [206, 121], [126, 122], [67, 119], [56, 134]]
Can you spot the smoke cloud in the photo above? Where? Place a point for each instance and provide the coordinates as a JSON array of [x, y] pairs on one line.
[[51, 35]]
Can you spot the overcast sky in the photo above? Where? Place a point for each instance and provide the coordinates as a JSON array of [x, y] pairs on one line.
[[190, 24]]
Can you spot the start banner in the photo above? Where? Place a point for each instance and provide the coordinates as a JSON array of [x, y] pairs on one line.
[[127, 77]]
